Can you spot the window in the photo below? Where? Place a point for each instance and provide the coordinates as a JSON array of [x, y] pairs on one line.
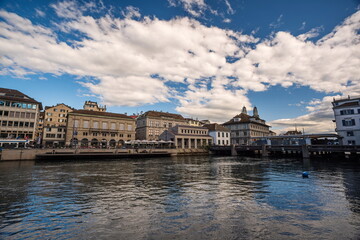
[[7, 103], [223, 134], [4, 123], [113, 126], [113, 134], [59, 135], [22, 115], [86, 124], [350, 133], [351, 142], [26, 124], [104, 134], [104, 125], [122, 126], [32, 115], [219, 135], [29, 106], [24, 105], [96, 124], [85, 133], [129, 135], [95, 134], [76, 123], [28, 115], [219, 142], [31, 124], [170, 124], [347, 112], [348, 122], [10, 123], [6, 113], [129, 127], [33, 106], [12, 114], [16, 123]]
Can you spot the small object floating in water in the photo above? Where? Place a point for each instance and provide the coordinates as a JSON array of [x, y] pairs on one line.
[[305, 174]]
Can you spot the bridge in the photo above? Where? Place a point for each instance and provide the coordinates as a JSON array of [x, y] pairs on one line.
[[305, 151]]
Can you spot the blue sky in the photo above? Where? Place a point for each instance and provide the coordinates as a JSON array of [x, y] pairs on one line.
[[200, 58]]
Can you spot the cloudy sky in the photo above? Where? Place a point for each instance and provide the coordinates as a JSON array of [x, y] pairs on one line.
[[204, 59]]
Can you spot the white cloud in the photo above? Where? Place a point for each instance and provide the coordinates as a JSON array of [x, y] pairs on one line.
[[144, 61], [131, 12], [277, 23], [39, 13], [195, 8], [230, 10]]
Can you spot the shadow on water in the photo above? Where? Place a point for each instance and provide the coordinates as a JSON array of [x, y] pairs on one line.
[[191, 197]]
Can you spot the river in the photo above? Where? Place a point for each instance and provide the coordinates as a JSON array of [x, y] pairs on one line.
[[191, 197]]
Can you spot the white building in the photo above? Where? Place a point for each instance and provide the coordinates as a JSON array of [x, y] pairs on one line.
[[347, 119], [220, 134]]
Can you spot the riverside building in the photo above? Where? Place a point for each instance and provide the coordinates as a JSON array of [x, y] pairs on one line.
[[187, 137], [54, 130], [347, 119], [18, 115], [151, 124], [220, 134], [86, 128], [245, 128]]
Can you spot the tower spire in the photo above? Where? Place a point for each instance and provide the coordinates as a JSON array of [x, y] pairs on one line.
[[244, 110], [255, 112]]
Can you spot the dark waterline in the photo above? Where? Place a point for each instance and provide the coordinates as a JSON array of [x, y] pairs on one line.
[[197, 197]]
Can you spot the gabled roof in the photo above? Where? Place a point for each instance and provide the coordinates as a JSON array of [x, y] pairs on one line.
[[163, 115], [216, 127], [95, 113], [15, 95]]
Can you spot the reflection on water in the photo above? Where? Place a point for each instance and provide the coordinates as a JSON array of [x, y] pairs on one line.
[[180, 198]]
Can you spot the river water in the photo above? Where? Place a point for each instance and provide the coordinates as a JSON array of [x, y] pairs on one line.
[[197, 197]]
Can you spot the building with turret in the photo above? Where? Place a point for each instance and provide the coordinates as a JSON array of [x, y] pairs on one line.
[[245, 128]]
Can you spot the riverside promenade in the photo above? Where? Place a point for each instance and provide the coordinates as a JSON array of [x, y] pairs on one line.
[[79, 153]]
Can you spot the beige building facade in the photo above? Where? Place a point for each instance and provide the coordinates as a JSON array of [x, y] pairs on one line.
[[150, 125], [95, 129], [54, 126], [187, 137], [19, 114]]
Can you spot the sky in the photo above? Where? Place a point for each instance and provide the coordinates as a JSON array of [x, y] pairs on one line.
[[204, 59]]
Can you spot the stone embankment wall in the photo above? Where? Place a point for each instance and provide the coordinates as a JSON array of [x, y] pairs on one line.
[[30, 154]]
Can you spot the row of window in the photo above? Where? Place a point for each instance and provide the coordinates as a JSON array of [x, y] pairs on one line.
[[348, 122], [349, 111], [104, 134], [18, 105], [60, 114], [49, 135], [223, 142], [16, 124], [193, 131], [13, 114], [104, 125], [223, 134], [59, 120]]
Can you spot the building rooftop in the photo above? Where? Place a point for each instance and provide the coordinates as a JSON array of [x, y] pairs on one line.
[[15, 95], [163, 115], [95, 113], [244, 118], [216, 127], [47, 107]]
